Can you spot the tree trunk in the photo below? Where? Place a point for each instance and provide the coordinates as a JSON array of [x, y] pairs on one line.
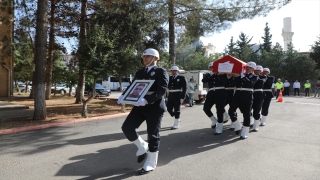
[[40, 111], [85, 102], [82, 35], [51, 50], [172, 55]]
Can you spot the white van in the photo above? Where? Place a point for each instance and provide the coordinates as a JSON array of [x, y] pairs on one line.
[[200, 88], [112, 83]]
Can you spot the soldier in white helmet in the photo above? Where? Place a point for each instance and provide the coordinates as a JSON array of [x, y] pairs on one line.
[[150, 109], [217, 95], [268, 95], [177, 93], [258, 97], [243, 98]]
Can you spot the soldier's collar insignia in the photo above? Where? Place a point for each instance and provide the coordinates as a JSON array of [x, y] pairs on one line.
[[178, 80], [152, 73]]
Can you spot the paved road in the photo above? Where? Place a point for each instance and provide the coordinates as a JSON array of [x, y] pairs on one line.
[[288, 147]]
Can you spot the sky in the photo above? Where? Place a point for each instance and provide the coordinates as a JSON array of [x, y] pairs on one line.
[[305, 21]]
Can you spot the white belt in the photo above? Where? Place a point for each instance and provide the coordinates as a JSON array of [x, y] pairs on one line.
[[229, 88], [175, 90], [270, 90], [215, 88], [244, 89], [256, 90], [149, 92]]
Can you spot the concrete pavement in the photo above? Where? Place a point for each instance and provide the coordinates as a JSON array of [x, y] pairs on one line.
[[286, 148]]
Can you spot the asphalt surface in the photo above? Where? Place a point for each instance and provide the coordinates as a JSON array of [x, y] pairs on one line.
[[286, 148]]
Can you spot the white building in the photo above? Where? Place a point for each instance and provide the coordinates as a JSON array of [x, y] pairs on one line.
[[209, 50], [286, 32], [67, 58]]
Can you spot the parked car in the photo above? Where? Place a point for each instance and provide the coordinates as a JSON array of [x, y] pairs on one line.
[[62, 89], [22, 88], [100, 90]]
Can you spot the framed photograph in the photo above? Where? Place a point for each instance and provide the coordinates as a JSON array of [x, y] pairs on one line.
[[136, 91]]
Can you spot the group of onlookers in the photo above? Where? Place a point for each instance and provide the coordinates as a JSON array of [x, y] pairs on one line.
[[285, 87]]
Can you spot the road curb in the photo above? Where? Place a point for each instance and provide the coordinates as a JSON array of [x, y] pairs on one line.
[[74, 121], [49, 125]]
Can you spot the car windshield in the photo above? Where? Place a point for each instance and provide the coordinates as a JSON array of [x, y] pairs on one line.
[[99, 86]]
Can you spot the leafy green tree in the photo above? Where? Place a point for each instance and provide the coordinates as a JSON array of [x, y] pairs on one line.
[[204, 17], [275, 61], [315, 53], [267, 43], [98, 50]]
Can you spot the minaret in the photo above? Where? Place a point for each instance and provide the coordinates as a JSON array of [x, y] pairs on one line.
[[286, 32]]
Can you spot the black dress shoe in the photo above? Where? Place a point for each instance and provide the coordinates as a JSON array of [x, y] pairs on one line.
[[141, 157], [173, 128], [231, 129], [255, 130], [217, 133], [142, 171], [242, 138], [225, 121], [214, 126], [238, 132]]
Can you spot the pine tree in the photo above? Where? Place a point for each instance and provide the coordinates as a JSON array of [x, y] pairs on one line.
[[266, 46], [315, 52], [243, 44]]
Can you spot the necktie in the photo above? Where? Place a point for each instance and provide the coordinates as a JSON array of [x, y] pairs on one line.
[[146, 71]]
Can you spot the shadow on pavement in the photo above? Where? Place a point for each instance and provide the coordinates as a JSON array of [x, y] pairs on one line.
[[120, 162]]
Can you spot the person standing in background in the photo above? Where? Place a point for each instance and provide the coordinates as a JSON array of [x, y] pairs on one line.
[[191, 92], [307, 87], [296, 87], [317, 89], [279, 86], [286, 85]]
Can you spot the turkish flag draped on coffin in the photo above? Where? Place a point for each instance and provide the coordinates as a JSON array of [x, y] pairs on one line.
[[228, 64]]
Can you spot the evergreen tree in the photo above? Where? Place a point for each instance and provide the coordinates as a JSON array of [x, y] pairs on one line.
[[266, 46], [315, 52], [242, 46], [231, 48]]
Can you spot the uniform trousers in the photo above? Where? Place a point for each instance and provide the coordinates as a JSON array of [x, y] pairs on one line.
[[242, 100], [136, 117], [278, 92], [257, 104], [174, 104], [307, 92], [286, 91], [266, 103], [296, 90], [212, 98]]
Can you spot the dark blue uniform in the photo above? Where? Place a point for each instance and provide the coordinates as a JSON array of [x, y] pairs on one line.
[[152, 112], [218, 96], [258, 97], [268, 95], [243, 98], [177, 82]]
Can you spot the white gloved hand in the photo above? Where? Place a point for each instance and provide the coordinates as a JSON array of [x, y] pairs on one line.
[[181, 101], [120, 99], [142, 102], [242, 74]]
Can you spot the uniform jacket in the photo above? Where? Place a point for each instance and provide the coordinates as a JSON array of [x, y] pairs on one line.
[[261, 80], [179, 82], [216, 80], [155, 100], [246, 82], [268, 85]]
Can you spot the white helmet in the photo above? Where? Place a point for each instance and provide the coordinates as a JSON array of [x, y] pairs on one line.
[[259, 68], [174, 68], [151, 52], [210, 64], [266, 69], [251, 64]]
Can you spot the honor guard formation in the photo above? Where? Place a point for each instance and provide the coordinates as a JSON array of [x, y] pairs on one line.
[[250, 91]]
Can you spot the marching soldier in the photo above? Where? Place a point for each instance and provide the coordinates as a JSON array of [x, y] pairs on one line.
[[230, 92], [149, 109], [258, 97], [177, 93], [243, 98], [217, 95], [268, 95]]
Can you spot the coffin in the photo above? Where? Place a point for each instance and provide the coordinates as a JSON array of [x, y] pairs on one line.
[[228, 64]]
